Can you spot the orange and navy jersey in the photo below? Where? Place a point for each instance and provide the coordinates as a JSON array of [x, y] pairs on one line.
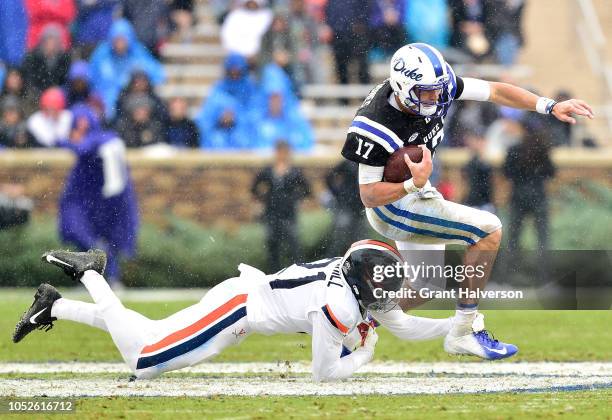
[[284, 302]]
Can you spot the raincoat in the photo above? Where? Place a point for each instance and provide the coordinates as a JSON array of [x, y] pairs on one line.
[[111, 72], [98, 205]]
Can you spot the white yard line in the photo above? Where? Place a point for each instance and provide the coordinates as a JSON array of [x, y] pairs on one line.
[[568, 369], [461, 378], [250, 386]]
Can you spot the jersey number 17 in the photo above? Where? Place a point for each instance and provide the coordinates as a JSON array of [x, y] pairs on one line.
[[364, 145]]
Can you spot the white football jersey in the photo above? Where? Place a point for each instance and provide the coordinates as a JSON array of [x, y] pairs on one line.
[[285, 301], [314, 298]]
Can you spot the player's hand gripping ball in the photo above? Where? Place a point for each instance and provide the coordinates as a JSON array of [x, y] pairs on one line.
[[396, 169]]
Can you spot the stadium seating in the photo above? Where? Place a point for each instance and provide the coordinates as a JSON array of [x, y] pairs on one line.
[[193, 67]]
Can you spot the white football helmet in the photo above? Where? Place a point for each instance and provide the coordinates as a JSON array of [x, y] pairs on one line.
[[420, 78]]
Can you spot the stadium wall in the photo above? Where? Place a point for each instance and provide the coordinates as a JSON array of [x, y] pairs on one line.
[[214, 189]]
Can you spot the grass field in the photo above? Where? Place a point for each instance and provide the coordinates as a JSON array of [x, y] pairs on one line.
[[541, 336], [574, 405]]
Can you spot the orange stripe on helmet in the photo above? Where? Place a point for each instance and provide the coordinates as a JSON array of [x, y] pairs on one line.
[[378, 243]]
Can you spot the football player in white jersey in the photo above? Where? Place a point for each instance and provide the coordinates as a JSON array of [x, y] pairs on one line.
[[409, 108], [327, 299]]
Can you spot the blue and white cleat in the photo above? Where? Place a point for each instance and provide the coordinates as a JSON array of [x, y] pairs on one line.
[[479, 344]]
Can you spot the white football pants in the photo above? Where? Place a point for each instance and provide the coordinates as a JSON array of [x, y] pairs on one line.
[[432, 220], [151, 347]]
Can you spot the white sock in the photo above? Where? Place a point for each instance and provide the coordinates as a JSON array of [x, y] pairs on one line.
[[77, 311], [464, 317], [128, 329], [99, 289]]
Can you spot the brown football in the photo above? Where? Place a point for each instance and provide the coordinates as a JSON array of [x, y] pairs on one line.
[[396, 169]]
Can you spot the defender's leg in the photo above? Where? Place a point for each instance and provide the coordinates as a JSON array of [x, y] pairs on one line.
[[198, 332], [188, 337]]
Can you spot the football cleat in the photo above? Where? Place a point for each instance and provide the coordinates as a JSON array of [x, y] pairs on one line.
[[39, 314], [479, 343], [75, 264]]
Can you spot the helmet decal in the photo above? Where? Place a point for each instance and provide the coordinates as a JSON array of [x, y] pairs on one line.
[[346, 266], [400, 66]]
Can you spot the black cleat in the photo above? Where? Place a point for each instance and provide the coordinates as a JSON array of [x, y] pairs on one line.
[[39, 314], [75, 264]]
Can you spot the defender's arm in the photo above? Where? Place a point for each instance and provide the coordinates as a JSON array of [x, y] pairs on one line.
[[327, 365], [408, 327]]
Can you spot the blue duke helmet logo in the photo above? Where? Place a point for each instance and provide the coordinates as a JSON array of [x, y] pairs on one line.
[[400, 66]]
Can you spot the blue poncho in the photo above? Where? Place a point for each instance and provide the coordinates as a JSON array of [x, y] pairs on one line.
[[111, 72]]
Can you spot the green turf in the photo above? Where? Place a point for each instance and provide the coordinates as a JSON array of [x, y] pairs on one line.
[[583, 404], [540, 335]]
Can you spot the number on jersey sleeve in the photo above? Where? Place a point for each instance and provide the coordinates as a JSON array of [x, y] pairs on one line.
[[360, 149]]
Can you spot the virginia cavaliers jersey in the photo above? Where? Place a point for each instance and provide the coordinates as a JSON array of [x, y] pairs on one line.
[[283, 301], [379, 129]]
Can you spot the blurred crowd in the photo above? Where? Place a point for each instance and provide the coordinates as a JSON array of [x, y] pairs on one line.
[[106, 54], [55, 54], [103, 54], [293, 33]]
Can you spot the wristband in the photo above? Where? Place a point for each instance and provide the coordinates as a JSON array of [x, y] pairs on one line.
[[410, 187], [545, 105]]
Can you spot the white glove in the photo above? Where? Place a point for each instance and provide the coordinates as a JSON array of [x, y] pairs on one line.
[[353, 340], [428, 191]]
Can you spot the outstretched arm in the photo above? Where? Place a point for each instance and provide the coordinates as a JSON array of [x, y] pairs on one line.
[[517, 97], [408, 327]]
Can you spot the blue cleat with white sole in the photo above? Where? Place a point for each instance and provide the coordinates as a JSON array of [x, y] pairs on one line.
[[479, 343]]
